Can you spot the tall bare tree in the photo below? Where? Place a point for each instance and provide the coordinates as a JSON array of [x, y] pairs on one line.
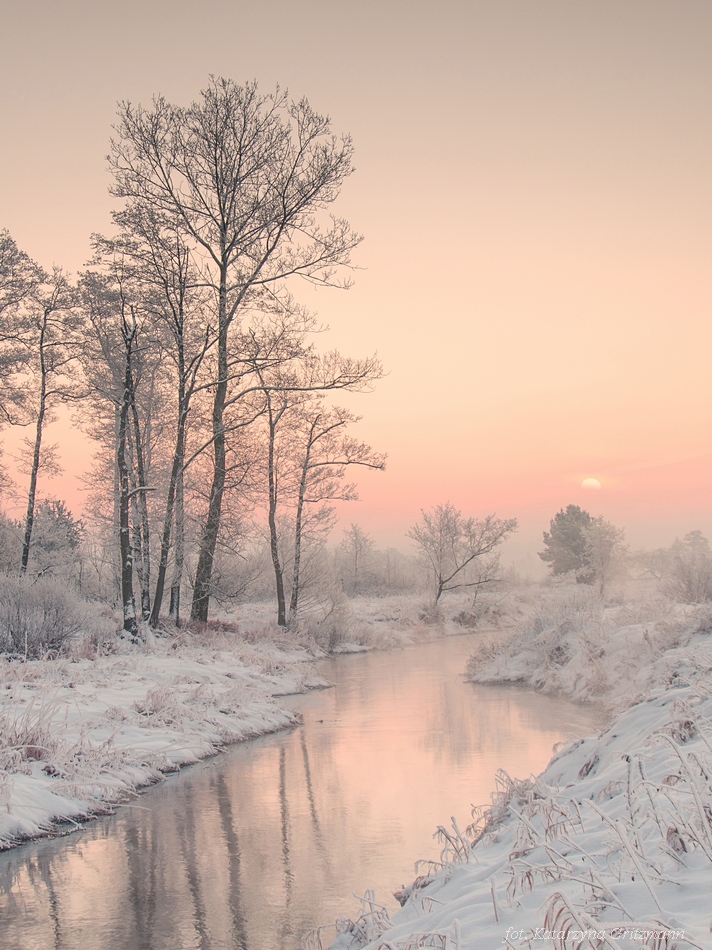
[[114, 363], [245, 178], [326, 451], [163, 273], [357, 547], [53, 336], [309, 451]]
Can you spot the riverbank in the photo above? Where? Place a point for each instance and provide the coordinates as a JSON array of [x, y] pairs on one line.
[[566, 641], [80, 735], [256, 846], [85, 731], [611, 846]]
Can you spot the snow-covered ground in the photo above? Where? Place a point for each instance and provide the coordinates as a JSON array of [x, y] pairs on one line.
[[566, 640], [77, 735], [84, 731], [612, 845]]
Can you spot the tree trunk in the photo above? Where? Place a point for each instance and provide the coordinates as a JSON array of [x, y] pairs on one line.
[[143, 569], [272, 514], [176, 474], [126, 556], [32, 493], [278, 571], [209, 540], [296, 580], [179, 557]]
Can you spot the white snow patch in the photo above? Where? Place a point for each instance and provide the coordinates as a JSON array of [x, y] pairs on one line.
[[79, 736]]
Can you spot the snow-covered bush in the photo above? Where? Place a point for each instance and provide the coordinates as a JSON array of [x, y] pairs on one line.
[[563, 631], [99, 632], [26, 733], [335, 625], [37, 616], [689, 575], [571, 641]]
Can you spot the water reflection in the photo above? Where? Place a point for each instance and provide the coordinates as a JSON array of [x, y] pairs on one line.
[[248, 851]]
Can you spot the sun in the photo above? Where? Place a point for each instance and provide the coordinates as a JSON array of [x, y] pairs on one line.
[[592, 483]]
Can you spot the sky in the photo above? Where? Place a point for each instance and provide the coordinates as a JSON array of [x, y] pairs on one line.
[[533, 184]]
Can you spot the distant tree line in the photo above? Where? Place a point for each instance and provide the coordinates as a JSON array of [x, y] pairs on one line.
[[593, 551]]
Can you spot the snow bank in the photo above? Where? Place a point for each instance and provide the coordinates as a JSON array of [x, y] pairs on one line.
[[568, 641], [610, 847], [77, 736]]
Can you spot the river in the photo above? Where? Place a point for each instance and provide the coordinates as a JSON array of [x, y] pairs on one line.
[[250, 849]]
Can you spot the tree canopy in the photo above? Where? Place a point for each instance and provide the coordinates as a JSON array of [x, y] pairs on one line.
[[592, 549], [565, 543]]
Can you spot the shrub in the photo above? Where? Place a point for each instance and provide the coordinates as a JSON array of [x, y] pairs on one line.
[[37, 616], [335, 625], [689, 576]]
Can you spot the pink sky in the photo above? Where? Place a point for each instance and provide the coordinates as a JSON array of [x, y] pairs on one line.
[[533, 182]]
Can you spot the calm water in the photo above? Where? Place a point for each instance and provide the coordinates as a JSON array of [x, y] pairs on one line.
[[251, 849]]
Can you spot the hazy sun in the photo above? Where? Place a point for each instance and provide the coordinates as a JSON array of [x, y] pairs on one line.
[[590, 483]]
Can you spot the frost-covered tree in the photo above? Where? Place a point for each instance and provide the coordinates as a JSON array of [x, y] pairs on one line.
[[459, 550], [53, 335], [117, 358], [605, 553], [591, 549], [355, 556], [566, 546], [309, 450], [10, 543], [20, 278], [689, 570], [245, 180], [39, 334], [56, 539], [325, 452], [157, 260]]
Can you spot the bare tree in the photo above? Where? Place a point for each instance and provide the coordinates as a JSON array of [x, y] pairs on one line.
[[309, 450], [20, 278], [39, 326], [327, 451], [243, 177], [357, 546], [605, 553], [112, 361], [452, 545], [53, 336], [160, 263]]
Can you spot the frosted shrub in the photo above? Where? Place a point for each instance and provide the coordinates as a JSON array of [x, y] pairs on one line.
[[687, 576], [26, 733], [160, 705], [491, 654], [37, 616], [690, 578], [100, 629], [335, 625], [560, 646]]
